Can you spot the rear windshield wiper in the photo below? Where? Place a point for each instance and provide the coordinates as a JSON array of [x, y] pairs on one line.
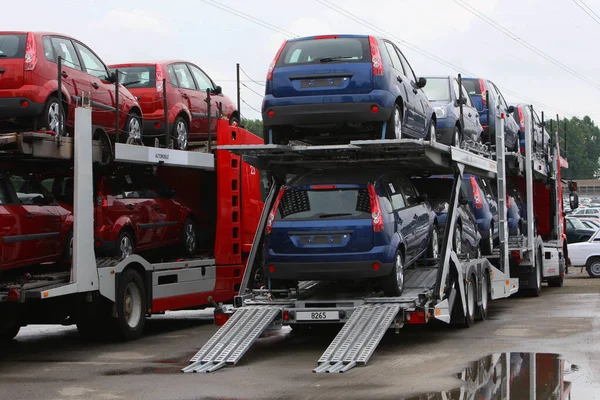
[[130, 83], [337, 58], [334, 215]]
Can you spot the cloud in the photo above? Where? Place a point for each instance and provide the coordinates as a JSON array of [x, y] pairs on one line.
[[136, 20]]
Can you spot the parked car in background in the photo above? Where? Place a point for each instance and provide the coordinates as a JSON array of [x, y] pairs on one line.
[[466, 234], [443, 94], [485, 208], [584, 212], [592, 223], [577, 231], [349, 224], [34, 227], [333, 88], [477, 88], [586, 254], [134, 211], [525, 117], [185, 92], [29, 93]]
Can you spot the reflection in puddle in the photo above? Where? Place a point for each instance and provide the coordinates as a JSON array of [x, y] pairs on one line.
[[504, 376]]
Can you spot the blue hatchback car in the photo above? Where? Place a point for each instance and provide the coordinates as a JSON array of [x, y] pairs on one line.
[[443, 94], [349, 225], [485, 207], [334, 88]]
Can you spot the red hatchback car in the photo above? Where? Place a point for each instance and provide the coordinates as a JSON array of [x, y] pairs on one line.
[[186, 86], [29, 85], [134, 211], [34, 227]]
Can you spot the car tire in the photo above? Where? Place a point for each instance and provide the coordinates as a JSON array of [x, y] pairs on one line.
[[593, 267], [131, 305], [132, 130], [68, 247], [394, 129], [50, 116], [456, 137], [181, 134], [487, 245], [125, 245], [234, 120], [433, 249], [189, 237], [393, 284], [457, 240]]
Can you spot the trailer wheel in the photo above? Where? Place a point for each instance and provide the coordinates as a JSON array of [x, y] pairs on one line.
[[482, 311], [9, 332], [537, 290], [458, 315], [131, 305], [393, 284], [556, 282]]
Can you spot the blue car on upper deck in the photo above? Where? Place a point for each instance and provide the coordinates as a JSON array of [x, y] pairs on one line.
[[335, 88]]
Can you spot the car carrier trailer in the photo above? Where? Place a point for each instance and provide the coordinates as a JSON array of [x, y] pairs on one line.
[[450, 289], [107, 296]]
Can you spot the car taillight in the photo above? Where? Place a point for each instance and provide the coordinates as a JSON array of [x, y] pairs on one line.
[[30, 53], [521, 119], [101, 199], [159, 79], [274, 62], [482, 90], [376, 62], [269, 227], [476, 194], [507, 202], [325, 37], [376, 216]]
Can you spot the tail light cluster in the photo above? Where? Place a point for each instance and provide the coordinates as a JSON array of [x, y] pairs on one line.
[[30, 53], [159, 79], [269, 227], [376, 61], [274, 62], [482, 90], [376, 216], [521, 119], [476, 193], [101, 199]]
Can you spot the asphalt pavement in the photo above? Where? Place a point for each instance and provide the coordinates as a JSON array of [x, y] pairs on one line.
[[49, 362]]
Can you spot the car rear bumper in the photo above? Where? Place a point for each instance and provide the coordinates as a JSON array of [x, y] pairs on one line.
[[328, 270], [105, 248], [19, 107], [321, 110]]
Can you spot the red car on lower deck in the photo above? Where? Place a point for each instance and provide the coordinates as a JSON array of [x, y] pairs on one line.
[[183, 85]]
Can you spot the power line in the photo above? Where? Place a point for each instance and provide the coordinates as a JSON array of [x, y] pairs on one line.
[[247, 17], [252, 90], [248, 76], [427, 54], [244, 101], [596, 19]]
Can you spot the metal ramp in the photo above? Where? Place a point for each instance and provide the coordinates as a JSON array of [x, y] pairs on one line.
[[359, 337], [233, 339]]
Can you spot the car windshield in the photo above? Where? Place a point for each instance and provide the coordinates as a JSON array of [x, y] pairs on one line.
[[12, 46], [137, 77], [437, 89], [304, 204], [577, 224], [331, 51]]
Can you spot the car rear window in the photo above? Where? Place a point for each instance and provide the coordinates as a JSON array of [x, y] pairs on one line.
[[316, 51], [437, 89], [12, 46], [472, 86], [138, 77], [303, 204], [435, 188]]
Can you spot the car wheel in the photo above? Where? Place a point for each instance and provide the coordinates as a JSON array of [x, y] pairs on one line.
[[457, 240], [393, 284], [487, 245], [593, 267], [133, 129], [433, 250], [189, 238], [68, 249], [394, 125], [431, 135], [131, 305], [53, 112], [234, 120], [456, 136], [181, 134], [106, 146], [125, 245]]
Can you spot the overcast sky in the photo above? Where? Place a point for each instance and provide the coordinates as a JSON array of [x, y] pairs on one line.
[[216, 40]]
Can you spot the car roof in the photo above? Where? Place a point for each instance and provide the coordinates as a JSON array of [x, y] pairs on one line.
[[338, 176], [345, 35], [149, 63]]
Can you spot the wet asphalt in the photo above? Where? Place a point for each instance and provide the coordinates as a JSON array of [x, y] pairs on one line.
[[558, 330]]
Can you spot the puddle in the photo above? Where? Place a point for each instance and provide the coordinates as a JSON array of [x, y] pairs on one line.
[[512, 376], [166, 366]]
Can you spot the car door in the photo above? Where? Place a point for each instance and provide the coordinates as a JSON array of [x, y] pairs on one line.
[[167, 212], [402, 216], [471, 117], [102, 92], [203, 82], [14, 225], [419, 213], [403, 82], [74, 79], [421, 103], [193, 98], [133, 202]]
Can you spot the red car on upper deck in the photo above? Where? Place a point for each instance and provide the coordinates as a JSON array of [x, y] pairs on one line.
[[29, 94], [186, 86]]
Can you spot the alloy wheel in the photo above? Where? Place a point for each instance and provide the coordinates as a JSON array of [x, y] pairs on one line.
[[190, 237], [134, 130], [182, 135], [132, 305], [54, 112], [400, 272], [397, 123], [126, 247]]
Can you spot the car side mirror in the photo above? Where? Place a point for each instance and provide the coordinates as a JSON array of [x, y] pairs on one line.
[[510, 109], [574, 200], [217, 91], [463, 201], [421, 83], [112, 76]]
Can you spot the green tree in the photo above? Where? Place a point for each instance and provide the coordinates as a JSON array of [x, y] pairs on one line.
[[253, 125], [582, 147]]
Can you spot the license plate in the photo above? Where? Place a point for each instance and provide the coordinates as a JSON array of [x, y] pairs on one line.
[[318, 83], [318, 316]]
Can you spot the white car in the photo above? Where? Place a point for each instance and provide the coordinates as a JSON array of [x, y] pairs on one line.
[[591, 223], [587, 254], [586, 213]]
